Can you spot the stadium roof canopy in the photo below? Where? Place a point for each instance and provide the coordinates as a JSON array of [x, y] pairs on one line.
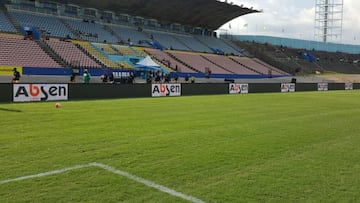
[[210, 14]]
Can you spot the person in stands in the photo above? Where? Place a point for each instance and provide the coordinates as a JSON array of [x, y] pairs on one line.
[[16, 76]]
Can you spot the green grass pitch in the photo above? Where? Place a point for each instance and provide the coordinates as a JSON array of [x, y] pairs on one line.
[[297, 147]]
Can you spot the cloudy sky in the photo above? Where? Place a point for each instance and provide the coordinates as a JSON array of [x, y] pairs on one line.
[[292, 19]]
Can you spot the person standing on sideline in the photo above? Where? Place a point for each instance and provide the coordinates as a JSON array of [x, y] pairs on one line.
[[192, 79], [86, 77], [72, 77], [16, 76]]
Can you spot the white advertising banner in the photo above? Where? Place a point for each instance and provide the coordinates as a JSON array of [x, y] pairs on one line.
[[238, 88], [165, 90], [349, 86], [288, 87], [323, 86], [40, 92]]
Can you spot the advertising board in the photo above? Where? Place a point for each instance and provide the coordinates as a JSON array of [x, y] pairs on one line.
[[288, 87], [165, 90], [238, 88], [40, 92]]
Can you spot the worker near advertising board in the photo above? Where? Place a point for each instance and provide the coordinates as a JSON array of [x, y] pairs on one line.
[[86, 77], [16, 76]]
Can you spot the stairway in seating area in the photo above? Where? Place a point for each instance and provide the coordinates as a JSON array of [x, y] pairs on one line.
[[89, 49], [10, 18], [51, 53]]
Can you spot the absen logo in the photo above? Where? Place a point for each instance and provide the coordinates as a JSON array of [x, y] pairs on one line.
[[349, 86], [238, 88], [165, 90], [288, 87], [323, 87], [40, 92]]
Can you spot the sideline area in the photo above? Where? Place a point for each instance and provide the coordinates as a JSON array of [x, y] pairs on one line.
[[114, 171]]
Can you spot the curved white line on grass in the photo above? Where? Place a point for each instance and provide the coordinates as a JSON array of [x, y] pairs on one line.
[[148, 183], [112, 170], [47, 173]]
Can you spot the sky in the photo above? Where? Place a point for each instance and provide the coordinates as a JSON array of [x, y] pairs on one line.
[[292, 19]]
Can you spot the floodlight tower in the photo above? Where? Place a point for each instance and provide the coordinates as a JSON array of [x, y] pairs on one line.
[[328, 19]]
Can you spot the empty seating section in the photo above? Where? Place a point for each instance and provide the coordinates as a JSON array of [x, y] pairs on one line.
[[216, 43], [273, 69], [92, 51], [5, 25], [18, 52], [90, 31], [131, 35], [198, 62], [107, 48], [71, 54], [168, 41], [249, 62], [124, 50], [193, 43], [230, 64], [168, 61], [138, 51], [49, 25]]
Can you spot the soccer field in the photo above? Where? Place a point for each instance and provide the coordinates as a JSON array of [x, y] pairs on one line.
[[297, 147]]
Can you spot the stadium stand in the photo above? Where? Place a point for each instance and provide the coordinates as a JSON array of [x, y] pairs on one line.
[[126, 50], [138, 51], [290, 60], [131, 35], [231, 65], [196, 61], [71, 54], [45, 24], [88, 48], [90, 30], [170, 62], [254, 65], [107, 48], [218, 45], [90, 40], [193, 44], [272, 68], [5, 24], [18, 52], [168, 41]]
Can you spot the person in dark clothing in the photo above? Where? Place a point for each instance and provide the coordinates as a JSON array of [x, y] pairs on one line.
[[149, 79], [16, 76], [167, 78], [176, 78], [104, 78], [157, 77], [111, 78], [72, 78], [187, 77]]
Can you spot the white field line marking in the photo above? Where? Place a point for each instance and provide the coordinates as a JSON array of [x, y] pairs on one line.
[[148, 183], [49, 173], [114, 171]]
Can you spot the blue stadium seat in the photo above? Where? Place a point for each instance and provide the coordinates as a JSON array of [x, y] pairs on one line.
[[5, 24], [45, 24], [91, 31]]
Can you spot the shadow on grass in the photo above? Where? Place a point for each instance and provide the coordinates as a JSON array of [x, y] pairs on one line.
[[10, 110]]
